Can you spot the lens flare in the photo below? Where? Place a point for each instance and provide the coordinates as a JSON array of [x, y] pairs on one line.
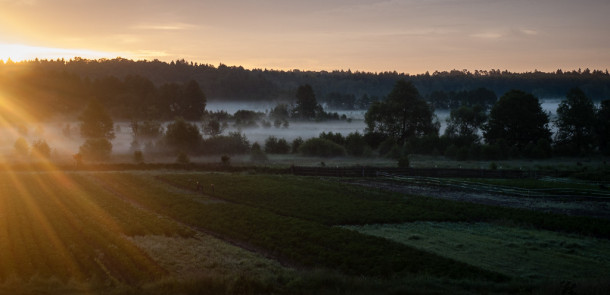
[[20, 52]]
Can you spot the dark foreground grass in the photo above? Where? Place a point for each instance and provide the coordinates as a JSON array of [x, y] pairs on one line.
[[65, 233], [295, 241], [333, 203], [57, 228]]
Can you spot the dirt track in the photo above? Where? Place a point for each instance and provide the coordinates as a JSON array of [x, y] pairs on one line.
[[600, 209]]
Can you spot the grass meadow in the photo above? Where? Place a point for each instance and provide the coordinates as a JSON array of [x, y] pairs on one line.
[[134, 232]]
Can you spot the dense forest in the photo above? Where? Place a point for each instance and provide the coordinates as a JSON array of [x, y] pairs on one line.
[[165, 89]]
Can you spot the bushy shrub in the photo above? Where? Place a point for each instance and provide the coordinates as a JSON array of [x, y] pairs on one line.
[[246, 118], [96, 149], [273, 145], [183, 136], [334, 137], [355, 144], [257, 154], [232, 144], [321, 148], [296, 143]]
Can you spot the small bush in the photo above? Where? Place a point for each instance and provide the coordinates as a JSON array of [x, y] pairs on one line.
[[234, 143], [321, 148], [334, 137]]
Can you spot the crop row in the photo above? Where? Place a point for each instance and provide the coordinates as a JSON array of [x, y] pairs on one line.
[[292, 240], [335, 203]]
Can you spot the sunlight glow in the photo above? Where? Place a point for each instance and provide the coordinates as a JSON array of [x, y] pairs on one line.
[[19, 52]]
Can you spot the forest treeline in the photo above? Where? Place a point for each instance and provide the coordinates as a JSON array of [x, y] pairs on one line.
[[124, 86]]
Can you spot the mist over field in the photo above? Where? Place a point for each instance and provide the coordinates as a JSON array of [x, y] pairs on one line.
[[65, 143]]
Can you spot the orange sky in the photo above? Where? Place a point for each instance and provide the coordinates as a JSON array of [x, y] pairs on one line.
[[411, 36]]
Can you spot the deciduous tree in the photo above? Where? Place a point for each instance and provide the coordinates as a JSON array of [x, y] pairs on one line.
[[404, 114], [576, 122], [518, 119]]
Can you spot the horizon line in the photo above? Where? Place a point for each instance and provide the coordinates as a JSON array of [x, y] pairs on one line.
[[349, 70]]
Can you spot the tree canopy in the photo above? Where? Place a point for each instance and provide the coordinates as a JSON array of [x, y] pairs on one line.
[[403, 115], [183, 136], [576, 121], [465, 122], [603, 126], [518, 119], [307, 106], [96, 122]]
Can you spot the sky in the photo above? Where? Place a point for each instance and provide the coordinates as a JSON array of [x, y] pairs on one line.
[[410, 36]]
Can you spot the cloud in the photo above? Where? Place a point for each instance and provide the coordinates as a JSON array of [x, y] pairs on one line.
[[529, 32], [144, 53], [487, 35]]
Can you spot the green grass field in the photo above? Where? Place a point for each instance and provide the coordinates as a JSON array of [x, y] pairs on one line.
[[151, 232], [514, 251]]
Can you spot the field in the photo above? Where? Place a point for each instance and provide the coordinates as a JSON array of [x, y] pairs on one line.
[[155, 232]]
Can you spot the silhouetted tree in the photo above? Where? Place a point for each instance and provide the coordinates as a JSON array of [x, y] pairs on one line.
[[576, 122], [96, 149], [307, 106], [97, 127], [193, 101], [212, 127], [402, 115], [603, 126], [465, 122], [518, 119], [96, 122], [183, 136], [273, 145]]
